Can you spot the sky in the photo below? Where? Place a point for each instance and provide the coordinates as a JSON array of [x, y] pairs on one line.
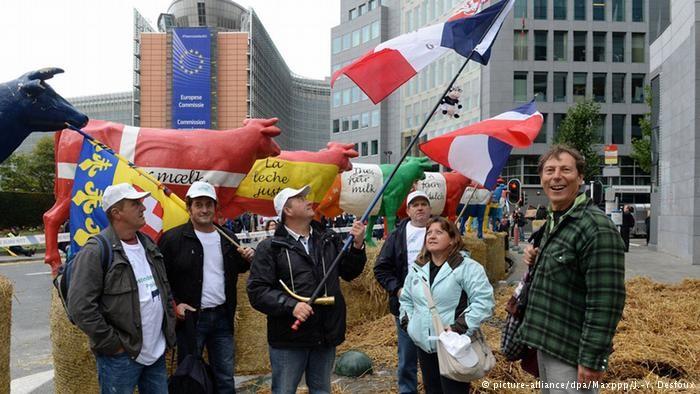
[[92, 39]]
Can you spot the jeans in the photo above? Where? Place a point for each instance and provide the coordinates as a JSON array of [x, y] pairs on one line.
[[557, 373], [408, 362], [215, 330], [289, 364], [119, 374], [435, 383]]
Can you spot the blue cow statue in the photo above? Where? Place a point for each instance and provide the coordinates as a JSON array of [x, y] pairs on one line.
[[29, 104]]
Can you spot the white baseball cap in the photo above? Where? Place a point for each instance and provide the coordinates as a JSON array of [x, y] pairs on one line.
[[115, 193], [287, 193], [416, 194], [201, 189]]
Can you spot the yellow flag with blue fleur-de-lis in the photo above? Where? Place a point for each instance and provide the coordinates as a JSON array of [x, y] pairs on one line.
[[98, 168]]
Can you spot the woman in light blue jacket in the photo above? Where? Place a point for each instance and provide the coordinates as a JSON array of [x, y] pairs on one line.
[[462, 293]]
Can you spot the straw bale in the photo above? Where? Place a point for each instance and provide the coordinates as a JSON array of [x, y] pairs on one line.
[[6, 291], [476, 247], [495, 256], [365, 299], [74, 363], [377, 338], [251, 335]]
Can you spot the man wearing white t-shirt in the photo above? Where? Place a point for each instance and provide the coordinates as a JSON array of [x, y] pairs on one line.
[[399, 251], [126, 310], [203, 268]]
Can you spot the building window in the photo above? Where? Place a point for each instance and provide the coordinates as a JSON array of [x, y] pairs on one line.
[[560, 46], [560, 87], [355, 38], [637, 88], [346, 41], [542, 135], [375, 29], [337, 45], [346, 96], [599, 80], [599, 10], [375, 147], [580, 38], [637, 47], [345, 123], [637, 10], [337, 99], [352, 14], [336, 125], [372, 4], [355, 94], [355, 122], [540, 44], [618, 10], [579, 86], [559, 9], [600, 132], [520, 9], [636, 127], [540, 9], [558, 119], [201, 14], [618, 47], [364, 149], [599, 41], [580, 10], [618, 129], [409, 20], [408, 117], [357, 148], [361, 10], [374, 121], [520, 86], [618, 88], [539, 81], [365, 34], [364, 120], [520, 45]]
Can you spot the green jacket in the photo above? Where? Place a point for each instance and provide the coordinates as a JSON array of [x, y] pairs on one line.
[[578, 288]]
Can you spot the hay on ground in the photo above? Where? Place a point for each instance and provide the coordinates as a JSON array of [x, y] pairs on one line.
[[365, 299], [6, 291], [250, 334]]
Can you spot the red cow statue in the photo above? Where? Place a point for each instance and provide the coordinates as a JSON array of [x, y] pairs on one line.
[[175, 157]]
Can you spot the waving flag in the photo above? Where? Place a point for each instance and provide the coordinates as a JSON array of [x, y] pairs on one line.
[[392, 63], [98, 168], [480, 151]]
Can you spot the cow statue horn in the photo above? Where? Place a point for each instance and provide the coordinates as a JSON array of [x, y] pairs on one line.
[[44, 73]]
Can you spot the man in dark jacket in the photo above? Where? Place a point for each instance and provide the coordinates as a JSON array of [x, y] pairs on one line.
[[627, 225], [203, 268], [298, 256], [399, 251], [126, 311]]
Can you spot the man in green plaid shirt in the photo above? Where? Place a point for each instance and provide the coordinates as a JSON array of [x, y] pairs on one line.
[[578, 288]]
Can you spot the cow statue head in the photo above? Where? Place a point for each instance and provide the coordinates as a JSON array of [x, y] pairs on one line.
[[29, 104]]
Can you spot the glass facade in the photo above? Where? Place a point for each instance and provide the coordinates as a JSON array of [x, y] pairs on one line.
[[540, 44], [599, 44], [580, 38], [560, 50], [559, 85], [539, 82]]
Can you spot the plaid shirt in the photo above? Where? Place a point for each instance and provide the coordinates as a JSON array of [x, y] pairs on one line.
[[578, 288]]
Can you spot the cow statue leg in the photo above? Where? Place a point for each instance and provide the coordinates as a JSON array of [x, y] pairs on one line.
[[53, 219], [369, 239]]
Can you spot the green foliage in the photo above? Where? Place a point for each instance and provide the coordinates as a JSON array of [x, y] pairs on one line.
[[30, 172], [23, 209], [580, 130], [641, 147]]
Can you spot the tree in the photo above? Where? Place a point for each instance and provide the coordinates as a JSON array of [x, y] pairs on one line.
[[641, 147], [30, 172], [580, 130]]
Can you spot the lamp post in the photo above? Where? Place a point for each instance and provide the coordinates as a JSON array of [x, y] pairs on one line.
[[388, 156]]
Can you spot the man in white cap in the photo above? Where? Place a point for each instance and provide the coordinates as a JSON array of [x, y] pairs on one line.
[[125, 307], [203, 269], [299, 255], [400, 251]]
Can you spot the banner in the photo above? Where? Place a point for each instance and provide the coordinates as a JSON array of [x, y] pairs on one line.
[[191, 97]]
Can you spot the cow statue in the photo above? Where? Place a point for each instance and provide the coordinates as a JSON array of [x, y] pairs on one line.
[[293, 169], [444, 190], [175, 157], [477, 198], [29, 104], [354, 190]]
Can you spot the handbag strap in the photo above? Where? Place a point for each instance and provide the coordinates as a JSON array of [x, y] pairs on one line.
[[431, 302]]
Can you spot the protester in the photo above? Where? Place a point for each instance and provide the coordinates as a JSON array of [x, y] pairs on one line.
[[647, 225], [400, 251], [462, 293], [126, 312], [203, 268], [299, 255], [577, 292], [271, 225], [627, 225]]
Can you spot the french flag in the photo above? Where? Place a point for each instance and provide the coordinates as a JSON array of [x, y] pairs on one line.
[[479, 151], [392, 63]]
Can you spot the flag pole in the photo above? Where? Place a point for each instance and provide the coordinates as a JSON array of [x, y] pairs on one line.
[[375, 200], [178, 201]]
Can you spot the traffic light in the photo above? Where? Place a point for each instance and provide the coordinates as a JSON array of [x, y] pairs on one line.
[[514, 192]]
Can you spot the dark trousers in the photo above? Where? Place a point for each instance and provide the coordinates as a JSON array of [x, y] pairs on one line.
[[433, 382], [625, 232]]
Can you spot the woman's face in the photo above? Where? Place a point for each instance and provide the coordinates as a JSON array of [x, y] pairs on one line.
[[272, 226], [437, 240]]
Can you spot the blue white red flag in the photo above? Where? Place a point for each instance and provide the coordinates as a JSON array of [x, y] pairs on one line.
[[479, 151], [392, 63]]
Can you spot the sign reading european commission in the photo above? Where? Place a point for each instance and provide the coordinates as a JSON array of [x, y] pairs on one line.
[[191, 78]]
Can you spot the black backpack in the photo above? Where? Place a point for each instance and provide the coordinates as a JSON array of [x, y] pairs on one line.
[[193, 375], [62, 280]]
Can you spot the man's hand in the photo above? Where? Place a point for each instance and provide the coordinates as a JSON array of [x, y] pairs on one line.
[[180, 310], [530, 254], [358, 232], [302, 311], [587, 375], [247, 253]]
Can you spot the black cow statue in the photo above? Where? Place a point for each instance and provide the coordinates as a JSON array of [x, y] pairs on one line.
[[29, 104]]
